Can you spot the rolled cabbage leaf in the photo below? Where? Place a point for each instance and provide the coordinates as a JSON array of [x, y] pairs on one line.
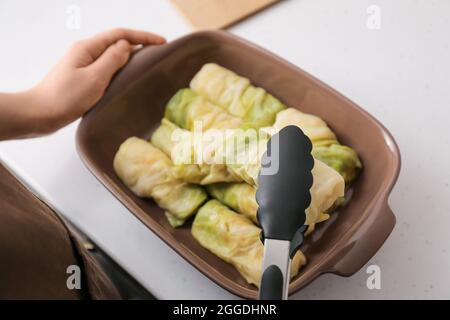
[[241, 197], [147, 171], [326, 147], [173, 220], [186, 108], [343, 159], [162, 137], [181, 148], [312, 126], [236, 95], [242, 151], [235, 239]]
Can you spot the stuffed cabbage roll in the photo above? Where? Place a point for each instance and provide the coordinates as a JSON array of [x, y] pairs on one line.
[[328, 186], [235, 239], [147, 171], [173, 220], [242, 151], [186, 107], [343, 159], [236, 154], [162, 137], [326, 147], [238, 196], [312, 126], [180, 146], [236, 95]]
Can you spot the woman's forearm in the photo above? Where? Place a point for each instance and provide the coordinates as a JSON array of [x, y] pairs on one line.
[[22, 115], [72, 87]]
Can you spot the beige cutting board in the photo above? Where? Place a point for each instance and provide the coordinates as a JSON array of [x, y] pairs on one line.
[[214, 14]]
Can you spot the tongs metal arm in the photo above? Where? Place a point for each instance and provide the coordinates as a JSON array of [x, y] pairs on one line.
[[276, 263]]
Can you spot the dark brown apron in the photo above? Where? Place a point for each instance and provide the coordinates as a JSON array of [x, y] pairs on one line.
[[36, 249]]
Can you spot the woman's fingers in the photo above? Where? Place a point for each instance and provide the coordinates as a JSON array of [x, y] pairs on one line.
[[111, 60], [97, 44]]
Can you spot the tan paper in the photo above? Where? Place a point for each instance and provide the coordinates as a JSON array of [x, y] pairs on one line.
[[216, 14]]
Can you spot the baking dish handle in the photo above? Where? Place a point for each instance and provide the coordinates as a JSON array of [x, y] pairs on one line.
[[365, 242]]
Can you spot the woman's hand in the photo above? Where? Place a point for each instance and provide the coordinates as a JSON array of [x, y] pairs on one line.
[[73, 86]]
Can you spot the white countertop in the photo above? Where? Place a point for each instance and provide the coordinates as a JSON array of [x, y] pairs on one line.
[[400, 73]]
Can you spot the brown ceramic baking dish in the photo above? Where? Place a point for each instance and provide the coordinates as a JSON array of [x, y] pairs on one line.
[[133, 106]]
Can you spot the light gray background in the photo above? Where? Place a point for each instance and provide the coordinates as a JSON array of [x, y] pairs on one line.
[[399, 73]]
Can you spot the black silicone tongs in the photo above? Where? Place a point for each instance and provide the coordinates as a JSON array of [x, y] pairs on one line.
[[283, 196]]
